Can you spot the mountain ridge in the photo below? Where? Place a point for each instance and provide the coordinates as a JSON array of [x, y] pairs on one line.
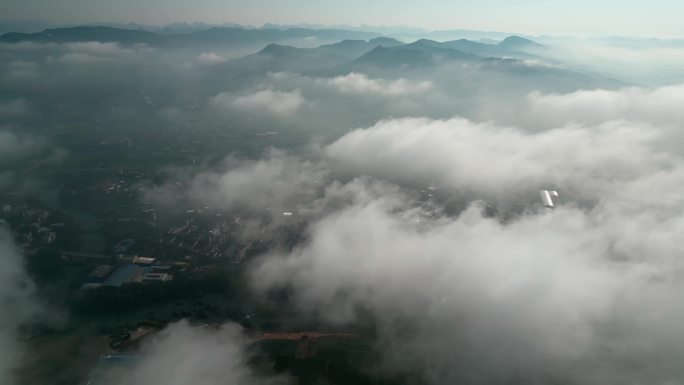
[[214, 35]]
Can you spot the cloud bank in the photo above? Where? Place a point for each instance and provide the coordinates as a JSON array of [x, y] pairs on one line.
[[486, 161], [568, 295], [585, 293], [498, 290], [657, 105]]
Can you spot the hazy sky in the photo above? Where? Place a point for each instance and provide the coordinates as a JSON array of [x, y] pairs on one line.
[[576, 17]]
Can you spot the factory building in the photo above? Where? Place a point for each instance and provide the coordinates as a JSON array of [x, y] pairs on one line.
[[99, 274], [157, 277], [125, 274], [144, 261]]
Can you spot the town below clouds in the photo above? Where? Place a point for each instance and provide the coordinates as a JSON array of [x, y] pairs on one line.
[[272, 206]]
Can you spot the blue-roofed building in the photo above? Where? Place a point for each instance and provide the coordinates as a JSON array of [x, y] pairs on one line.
[[99, 274], [126, 273]]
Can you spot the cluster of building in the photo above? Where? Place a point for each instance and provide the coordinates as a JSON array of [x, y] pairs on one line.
[[213, 236], [110, 181], [140, 269], [31, 224], [117, 186]]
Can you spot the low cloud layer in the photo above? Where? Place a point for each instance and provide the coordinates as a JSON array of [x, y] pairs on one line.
[[358, 83], [486, 161], [277, 181], [208, 58], [552, 296], [581, 294], [15, 146], [639, 61], [183, 354], [18, 303], [659, 105], [279, 103], [469, 281]]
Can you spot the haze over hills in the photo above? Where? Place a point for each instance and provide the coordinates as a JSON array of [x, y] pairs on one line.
[[408, 33], [347, 54], [244, 40], [80, 34], [203, 37], [385, 56]]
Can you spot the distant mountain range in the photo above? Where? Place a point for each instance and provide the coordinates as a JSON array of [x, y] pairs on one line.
[[502, 63], [352, 42], [351, 51], [78, 34], [463, 49], [403, 32], [277, 57], [381, 52], [230, 36]]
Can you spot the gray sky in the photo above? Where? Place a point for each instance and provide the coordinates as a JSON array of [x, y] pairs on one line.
[[577, 17]]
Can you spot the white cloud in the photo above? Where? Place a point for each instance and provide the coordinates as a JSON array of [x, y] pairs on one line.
[[78, 58], [21, 69], [358, 83], [281, 75], [659, 105], [14, 146], [110, 49], [92, 52], [13, 108], [182, 354], [208, 58], [584, 296], [27, 46], [18, 306], [280, 103], [501, 163], [586, 293], [643, 62], [583, 293], [277, 182]]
